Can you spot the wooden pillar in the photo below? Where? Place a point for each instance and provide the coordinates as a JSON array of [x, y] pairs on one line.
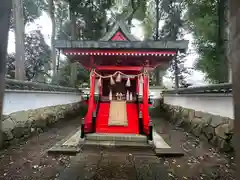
[[19, 37], [73, 37], [92, 84], [145, 102], [137, 85], [100, 88], [5, 9], [234, 54], [176, 73], [91, 102]]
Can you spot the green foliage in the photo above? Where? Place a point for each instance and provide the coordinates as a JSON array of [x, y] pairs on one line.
[[91, 20], [203, 22], [172, 14], [61, 17], [37, 56], [32, 10], [65, 75], [10, 66]]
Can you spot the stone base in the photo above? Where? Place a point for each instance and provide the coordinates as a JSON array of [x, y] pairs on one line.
[[23, 124], [70, 145], [116, 140], [162, 148]]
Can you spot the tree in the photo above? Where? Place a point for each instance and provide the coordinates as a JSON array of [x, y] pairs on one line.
[[65, 74], [10, 66], [37, 55], [53, 35], [88, 22], [32, 9], [23, 12], [37, 58], [203, 20]]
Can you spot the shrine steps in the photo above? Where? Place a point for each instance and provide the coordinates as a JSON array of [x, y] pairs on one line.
[[116, 140]]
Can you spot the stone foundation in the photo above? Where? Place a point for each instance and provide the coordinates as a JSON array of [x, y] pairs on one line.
[[23, 124], [216, 130]]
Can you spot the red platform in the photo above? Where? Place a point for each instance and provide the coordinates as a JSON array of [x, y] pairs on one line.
[[103, 115]]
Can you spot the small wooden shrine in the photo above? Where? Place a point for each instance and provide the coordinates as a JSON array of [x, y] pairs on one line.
[[120, 66]]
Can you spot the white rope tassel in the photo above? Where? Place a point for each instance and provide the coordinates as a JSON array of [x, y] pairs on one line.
[[100, 82], [112, 81], [128, 84], [141, 79], [130, 96], [110, 95], [127, 95], [118, 79]]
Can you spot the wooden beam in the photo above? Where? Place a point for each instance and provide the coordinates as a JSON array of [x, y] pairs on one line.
[[119, 68], [104, 52]]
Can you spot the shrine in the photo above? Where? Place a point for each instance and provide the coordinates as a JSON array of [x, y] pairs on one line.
[[119, 80]]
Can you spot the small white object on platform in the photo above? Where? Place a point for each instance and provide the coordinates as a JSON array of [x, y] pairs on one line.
[[127, 96], [130, 96]]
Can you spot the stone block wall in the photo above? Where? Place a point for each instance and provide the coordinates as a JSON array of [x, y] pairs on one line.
[[216, 130], [24, 123]]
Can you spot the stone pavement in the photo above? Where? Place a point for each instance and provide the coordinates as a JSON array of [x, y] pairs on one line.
[[114, 164]]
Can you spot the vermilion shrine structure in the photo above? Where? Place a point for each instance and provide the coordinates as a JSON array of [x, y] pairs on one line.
[[120, 66]]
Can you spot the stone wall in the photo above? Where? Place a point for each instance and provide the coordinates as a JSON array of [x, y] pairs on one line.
[[216, 130], [23, 124]]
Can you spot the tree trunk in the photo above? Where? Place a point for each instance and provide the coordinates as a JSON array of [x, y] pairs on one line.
[[19, 36], [221, 45], [234, 45], [73, 37], [157, 19], [53, 50], [5, 10], [156, 72]]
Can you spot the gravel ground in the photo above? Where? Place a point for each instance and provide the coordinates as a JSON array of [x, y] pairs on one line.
[[200, 162], [28, 159]]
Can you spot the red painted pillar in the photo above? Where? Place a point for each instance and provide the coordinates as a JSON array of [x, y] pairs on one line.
[[137, 85], [145, 104], [88, 118], [92, 84], [100, 88]]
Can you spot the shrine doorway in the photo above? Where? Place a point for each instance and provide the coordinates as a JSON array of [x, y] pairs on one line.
[[118, 87]]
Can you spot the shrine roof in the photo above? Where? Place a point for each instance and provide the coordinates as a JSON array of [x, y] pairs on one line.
[[180, 45], [119, 37], [122, 28]]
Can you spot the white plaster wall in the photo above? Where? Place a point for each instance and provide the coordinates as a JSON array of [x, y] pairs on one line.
[[19, 100], [221, 105], [155, 93]]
